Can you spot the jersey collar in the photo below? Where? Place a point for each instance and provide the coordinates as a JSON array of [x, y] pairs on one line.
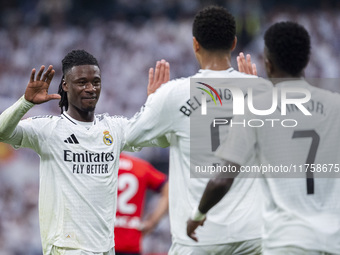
[[77, 122], [229, 70]]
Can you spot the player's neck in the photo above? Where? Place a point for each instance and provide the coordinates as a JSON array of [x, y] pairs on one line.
[[215, 62], [81, 115], [281, 76]]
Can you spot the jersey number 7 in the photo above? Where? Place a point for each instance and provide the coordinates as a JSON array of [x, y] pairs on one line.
[[311, 154]]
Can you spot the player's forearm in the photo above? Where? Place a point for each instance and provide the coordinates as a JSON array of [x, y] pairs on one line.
[[162, 206], [213, 193], [160, 210], [10, 118], [150, 126], [144, 138], [216, 189]]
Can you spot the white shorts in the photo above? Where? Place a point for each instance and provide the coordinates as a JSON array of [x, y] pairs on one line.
[[249, 247], [67, 251], [292, 250]]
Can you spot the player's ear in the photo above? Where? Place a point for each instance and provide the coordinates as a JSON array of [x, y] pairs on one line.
[[233, 46], [65, 85], [195, 44], [269, 67]]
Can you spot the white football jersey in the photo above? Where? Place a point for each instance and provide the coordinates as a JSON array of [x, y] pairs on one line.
[[78, 178], [168, 112], [299, 211]]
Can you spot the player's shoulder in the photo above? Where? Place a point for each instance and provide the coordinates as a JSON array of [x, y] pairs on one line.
[[264, 82], [42, 119], [252, 80], [317, 93], [171, 93], [323, 91], [111, 118], [325, 95], [117, 123], [41, 123], [236, 74], [102, 116], [232, 77], [175, 84]]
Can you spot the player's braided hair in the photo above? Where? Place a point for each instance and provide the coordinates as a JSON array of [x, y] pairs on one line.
[[289, 46], [214, 28], [73, 58]]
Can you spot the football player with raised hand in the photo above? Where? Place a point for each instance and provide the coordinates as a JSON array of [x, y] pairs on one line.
[[301, 208], [235, 224], [79, 155]]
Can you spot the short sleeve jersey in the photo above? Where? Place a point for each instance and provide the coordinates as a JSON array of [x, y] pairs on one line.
[[300, 210]]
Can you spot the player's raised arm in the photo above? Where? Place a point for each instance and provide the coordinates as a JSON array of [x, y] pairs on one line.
[[145, 129], [245, 65], [36, 93], [158, 76], [37, 87]]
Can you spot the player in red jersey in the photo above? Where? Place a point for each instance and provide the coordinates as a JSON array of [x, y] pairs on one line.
[[135, 176]]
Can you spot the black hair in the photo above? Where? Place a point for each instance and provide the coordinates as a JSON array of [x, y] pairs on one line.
[[73, 58], [288, 45], [214, 28]]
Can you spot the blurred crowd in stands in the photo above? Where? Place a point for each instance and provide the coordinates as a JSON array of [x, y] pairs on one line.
[[127, 37]]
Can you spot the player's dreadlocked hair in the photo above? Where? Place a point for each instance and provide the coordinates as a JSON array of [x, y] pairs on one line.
[[214, 28], [289, 46], [73, 58]]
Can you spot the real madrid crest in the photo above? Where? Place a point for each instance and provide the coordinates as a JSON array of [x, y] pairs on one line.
[[108, 140]]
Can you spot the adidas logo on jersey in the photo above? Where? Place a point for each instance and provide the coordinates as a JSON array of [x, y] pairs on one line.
[[72, 139]]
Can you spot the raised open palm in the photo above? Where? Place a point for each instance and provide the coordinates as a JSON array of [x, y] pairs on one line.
[[37, 87], [245, 65], [158, 77]]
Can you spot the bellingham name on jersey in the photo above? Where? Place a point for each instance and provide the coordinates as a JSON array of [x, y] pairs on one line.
[[194, 103]]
